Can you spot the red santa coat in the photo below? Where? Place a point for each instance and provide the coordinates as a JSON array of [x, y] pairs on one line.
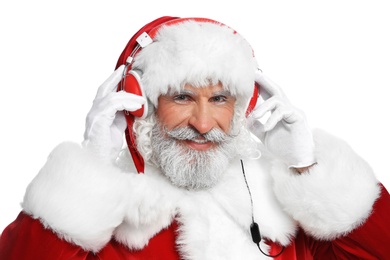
[[369, 241], [346, 200]]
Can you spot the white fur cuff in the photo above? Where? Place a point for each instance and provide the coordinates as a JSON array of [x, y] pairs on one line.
[[78, 197], [334, 196]]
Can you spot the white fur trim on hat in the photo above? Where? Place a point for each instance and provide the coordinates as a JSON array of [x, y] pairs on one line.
[[196, 53]]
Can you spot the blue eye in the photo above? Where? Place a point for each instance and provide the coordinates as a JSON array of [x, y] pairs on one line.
[[219, 99], [181, 98]]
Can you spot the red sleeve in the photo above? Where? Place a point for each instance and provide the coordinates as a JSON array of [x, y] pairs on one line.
[[369, 241], [26, 238]]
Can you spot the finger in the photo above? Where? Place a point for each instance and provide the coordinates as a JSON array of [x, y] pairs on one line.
[[120, 122], [257, 128], [110, 84], [265, 107], [276, 116], [119, 101], [267, 87], [108, 112]]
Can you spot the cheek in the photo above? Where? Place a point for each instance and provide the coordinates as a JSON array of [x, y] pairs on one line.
[[224, 118], [172, 116]]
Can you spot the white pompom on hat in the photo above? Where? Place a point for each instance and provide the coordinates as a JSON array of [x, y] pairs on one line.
[[198, 53]]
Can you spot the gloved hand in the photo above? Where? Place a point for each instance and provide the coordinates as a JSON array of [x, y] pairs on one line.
[[285, 133], [105, 122]]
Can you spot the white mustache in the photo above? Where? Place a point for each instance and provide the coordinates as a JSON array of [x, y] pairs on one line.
[[188, 133]]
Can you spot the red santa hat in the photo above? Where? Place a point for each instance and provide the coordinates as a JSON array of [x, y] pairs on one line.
[[196, 51]]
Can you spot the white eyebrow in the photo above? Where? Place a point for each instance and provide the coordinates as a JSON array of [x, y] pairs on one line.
[[222, 93], [192, 93], [181, 92]]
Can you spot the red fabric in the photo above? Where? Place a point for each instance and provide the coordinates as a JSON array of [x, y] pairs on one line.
[[26, 238], [369, 241]]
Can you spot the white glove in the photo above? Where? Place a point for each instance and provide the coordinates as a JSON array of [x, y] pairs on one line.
[[105, 122], [285, 133]]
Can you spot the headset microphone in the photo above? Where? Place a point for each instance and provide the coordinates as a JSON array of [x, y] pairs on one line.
[[254, 227], [255, 233]]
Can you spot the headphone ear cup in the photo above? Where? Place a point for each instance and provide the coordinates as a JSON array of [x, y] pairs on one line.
[[132, 84], [254, 98]]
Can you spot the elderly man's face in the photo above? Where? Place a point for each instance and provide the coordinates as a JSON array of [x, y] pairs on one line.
[[191, 142], [202, 109]]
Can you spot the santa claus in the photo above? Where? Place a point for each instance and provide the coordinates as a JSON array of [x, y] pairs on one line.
[[218, 165]]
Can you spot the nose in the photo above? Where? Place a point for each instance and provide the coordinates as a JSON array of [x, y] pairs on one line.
[[202, 118]]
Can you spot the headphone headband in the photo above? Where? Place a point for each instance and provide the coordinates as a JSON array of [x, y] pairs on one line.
[[131, 45]]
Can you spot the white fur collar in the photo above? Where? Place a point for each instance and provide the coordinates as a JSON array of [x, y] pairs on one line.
[[211, 219]]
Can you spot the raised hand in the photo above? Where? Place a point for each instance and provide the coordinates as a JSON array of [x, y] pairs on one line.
[[105, 122], [285, 133]]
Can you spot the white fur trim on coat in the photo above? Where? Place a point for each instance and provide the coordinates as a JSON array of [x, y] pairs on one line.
[[215, 223], [213, 218], [84, 201], [335, 196]]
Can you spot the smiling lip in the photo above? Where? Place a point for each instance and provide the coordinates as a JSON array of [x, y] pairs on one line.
[[200, 145]]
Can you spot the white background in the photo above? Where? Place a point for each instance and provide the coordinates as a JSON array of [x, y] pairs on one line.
[[331, 57]]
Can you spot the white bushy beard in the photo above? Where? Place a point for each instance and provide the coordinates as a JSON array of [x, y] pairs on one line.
[[174, 158], [186, 167]]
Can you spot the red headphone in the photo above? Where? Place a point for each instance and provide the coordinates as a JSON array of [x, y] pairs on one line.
[[131, 81]]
